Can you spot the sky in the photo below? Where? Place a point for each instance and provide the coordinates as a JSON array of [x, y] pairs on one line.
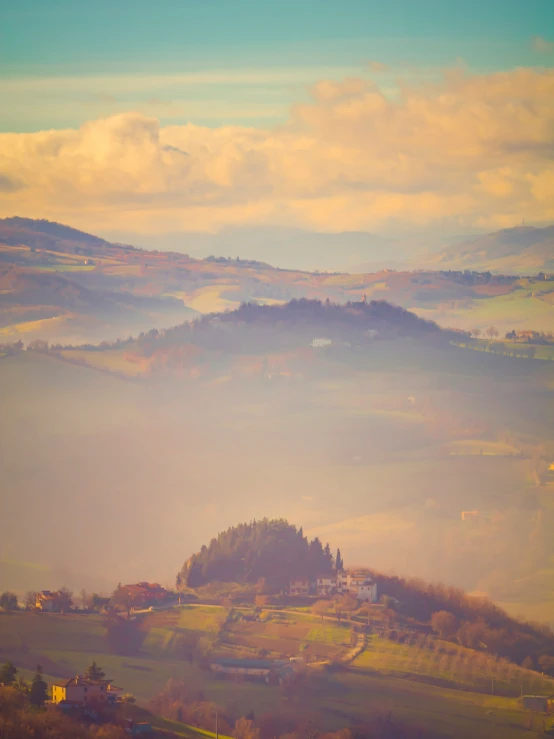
[[199, 115]]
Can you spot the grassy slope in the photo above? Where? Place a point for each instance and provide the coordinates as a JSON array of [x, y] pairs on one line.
[[65, 645]]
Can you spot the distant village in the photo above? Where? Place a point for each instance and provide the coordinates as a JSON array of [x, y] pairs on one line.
[[130, 597]]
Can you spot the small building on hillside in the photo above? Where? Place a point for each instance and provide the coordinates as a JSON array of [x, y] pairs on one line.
[[81, 691], [270, 671], [359, 584], [540, 703], [326, 584], [300, 587]]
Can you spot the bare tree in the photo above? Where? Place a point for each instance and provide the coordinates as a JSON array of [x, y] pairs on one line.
[[30, 599], [320, 608]]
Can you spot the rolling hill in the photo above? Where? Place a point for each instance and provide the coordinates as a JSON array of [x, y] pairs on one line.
[[99, 290], [525, 250]]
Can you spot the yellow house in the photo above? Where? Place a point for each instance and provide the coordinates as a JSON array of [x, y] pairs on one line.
[[83, 691]]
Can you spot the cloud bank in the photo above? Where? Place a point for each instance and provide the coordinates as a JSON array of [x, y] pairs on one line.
[[470, 151]]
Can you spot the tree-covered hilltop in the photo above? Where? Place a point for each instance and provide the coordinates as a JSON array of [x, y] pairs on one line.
[[271, 549]]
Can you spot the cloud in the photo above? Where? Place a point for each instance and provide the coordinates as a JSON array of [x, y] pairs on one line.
[[470, 150], [541, 45]]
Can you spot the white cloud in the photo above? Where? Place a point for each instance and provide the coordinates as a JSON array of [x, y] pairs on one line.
[[474, 149]]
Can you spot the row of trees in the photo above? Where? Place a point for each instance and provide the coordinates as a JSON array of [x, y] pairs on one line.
[[477, 621], [478, 635], [491, 332], [65, 600], [10, 602]]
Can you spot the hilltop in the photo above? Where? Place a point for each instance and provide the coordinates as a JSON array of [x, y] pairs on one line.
[[273, 550], [269, 555]]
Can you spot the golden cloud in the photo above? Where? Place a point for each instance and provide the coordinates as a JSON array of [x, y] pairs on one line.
[[472, 150]]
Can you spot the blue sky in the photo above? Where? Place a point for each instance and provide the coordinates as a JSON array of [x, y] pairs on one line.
[[237, 61], [387, 116]]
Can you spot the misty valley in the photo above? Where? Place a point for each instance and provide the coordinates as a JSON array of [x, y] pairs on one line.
[[277, 369]]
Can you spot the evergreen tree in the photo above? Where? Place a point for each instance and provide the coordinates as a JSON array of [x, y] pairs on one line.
[[328, 557], [339, 564], [94, 672], [39, 689], [7, 673]]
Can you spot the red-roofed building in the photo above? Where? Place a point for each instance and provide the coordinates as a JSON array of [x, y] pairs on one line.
[[145, 593]]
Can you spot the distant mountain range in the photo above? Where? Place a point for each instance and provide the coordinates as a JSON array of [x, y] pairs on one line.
[[520, 251], [288, 248]]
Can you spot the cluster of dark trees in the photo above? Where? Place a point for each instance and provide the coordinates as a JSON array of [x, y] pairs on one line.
[[473, 622], [236, 260], [469, 277], [11, 348], [36, 692], [360, 316], [270, 549], [8, 601]]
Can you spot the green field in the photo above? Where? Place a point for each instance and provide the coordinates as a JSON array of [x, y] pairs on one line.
[[451, 665], [327, 633], [416, 683]]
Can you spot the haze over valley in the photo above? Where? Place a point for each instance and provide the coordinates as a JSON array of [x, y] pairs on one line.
[[277, 369]]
